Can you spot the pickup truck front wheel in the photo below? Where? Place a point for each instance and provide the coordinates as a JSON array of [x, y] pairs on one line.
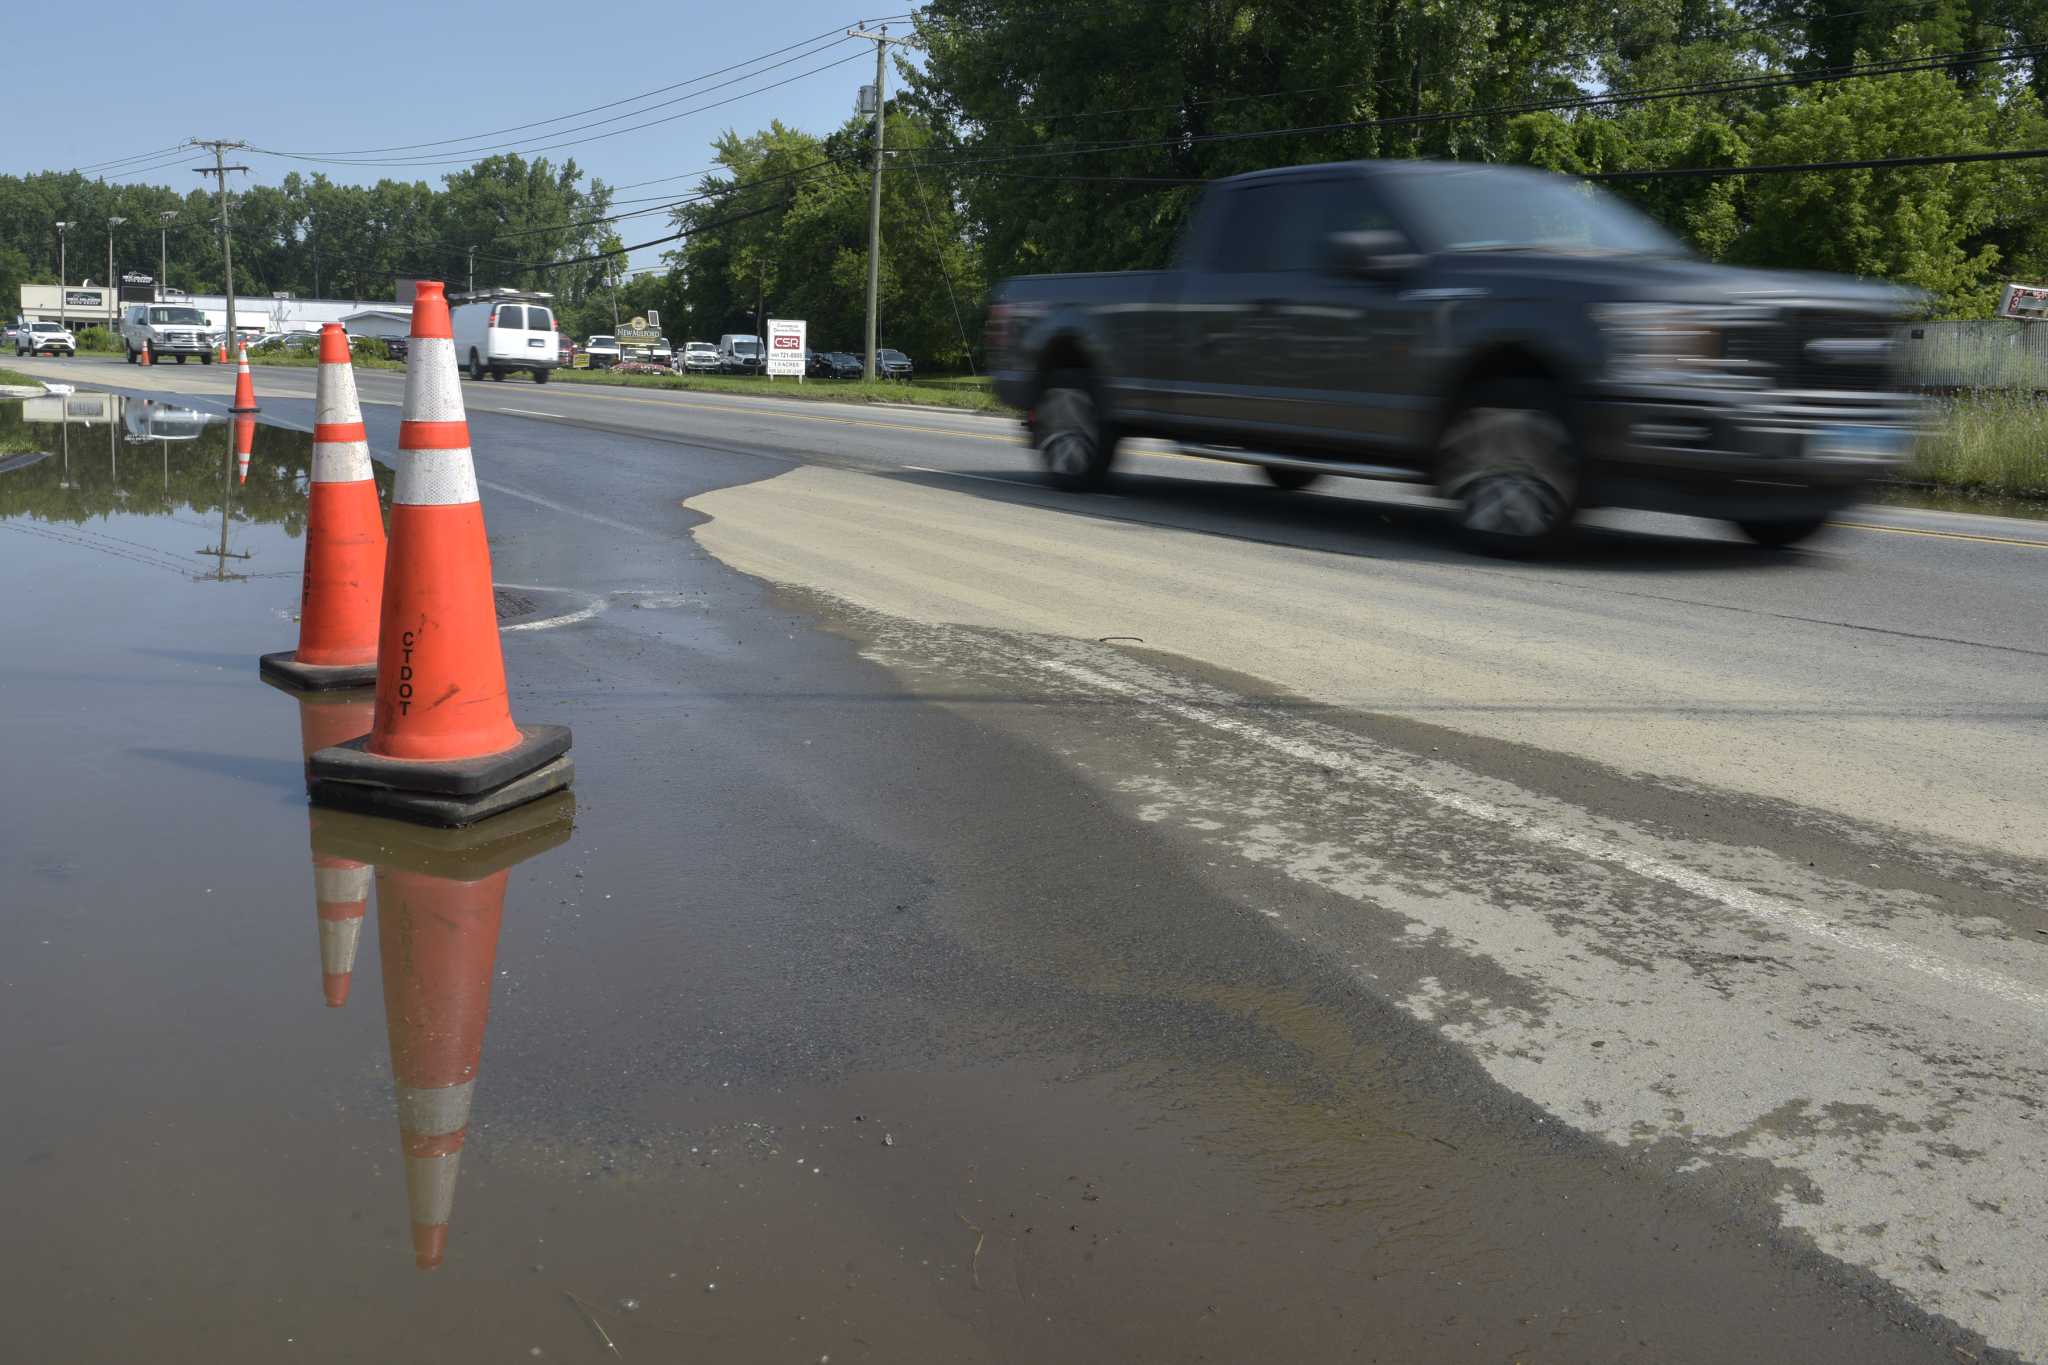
[[1073, 441], [1507, 459]]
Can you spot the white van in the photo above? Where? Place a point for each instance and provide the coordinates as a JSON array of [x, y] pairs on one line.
[[504, 331], [169, 329], [741, 354]]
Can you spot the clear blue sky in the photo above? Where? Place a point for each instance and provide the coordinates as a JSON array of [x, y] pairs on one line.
[[311, 77]]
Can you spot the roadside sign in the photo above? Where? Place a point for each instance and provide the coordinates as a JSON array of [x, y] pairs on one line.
[[639, 329], [786, 341], [2023, 301]]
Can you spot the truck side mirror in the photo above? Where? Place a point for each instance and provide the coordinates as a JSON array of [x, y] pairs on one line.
[[1373, 254]]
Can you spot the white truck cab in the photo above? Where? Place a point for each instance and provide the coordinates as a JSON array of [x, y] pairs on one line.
[[505, 331]]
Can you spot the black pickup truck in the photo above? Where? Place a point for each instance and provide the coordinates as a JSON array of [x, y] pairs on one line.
[[1528, 344]]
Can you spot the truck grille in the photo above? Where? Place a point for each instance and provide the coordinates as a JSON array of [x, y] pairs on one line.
[[1816, 350]]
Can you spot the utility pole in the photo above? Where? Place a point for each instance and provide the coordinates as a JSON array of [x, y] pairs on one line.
[[63, 287], [472, 270], [882, 42], [113, 286], [164, 219], [219, 171]]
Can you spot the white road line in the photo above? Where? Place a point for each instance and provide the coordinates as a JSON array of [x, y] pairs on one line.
[[1778, 913], [525, 412], [600, 519], [567, 618]]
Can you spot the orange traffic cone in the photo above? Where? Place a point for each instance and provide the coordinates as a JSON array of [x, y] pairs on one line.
[[343, 586], [443, 749], [145, 352], [245, 442], [220, 352], [440, 904], [245, 386]]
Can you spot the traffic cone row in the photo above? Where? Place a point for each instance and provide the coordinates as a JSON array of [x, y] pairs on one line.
[[343, 586], [442, 747]]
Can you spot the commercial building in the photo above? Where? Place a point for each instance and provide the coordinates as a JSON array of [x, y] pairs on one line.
[[91, 305]]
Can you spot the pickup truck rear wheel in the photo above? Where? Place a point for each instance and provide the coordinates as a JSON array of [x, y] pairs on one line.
[[1073, 441], [1778, 534], [1508, 459], [1288, 480]]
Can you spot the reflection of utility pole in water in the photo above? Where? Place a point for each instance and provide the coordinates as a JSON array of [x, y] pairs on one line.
[[222, 554], [64, 479]]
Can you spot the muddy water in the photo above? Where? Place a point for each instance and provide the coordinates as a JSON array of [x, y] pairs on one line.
[[814, 1025]]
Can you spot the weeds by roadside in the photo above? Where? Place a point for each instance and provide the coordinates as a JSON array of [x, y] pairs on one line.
[[1991, 443], [16, 378]]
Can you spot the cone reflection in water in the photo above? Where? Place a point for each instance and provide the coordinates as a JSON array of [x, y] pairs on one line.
[[437, 938], [341, 886], [440, 904], [245, 442]]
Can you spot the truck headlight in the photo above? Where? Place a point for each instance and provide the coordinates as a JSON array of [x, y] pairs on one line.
[[1684, 344]]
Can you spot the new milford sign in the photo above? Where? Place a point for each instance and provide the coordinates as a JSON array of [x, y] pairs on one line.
[[641, 330]]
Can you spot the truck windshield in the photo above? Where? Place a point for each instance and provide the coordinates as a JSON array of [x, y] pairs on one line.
[[745, 347], [184, 317], [1501, 208]]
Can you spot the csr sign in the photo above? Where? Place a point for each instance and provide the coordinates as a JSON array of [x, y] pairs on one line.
[[786, 342]]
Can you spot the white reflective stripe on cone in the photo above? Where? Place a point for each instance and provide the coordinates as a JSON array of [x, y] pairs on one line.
[[334, 398], [338, 945], [434, 1111], [350, 883], [433, 390], [434, 478], [430, 1187], [342, 462]]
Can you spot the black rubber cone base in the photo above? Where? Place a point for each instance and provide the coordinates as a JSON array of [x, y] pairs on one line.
[[286, 671], [451, 793], [442, 810]]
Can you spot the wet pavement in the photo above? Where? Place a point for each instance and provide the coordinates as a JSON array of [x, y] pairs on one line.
[[831, 1017]]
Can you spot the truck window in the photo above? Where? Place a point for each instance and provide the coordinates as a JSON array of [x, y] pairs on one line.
[[510, 315], [1272, 225], [538, 319]]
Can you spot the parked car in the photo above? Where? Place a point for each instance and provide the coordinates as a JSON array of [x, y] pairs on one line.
[[845, 365], [45, 338], [505, 331], [892, 364], [603, 352], [1530, 345], [818, 364], [662, 354], [168, 329], [699, 356], [396, 348], [12, 331], [565, 349], [741, 354]]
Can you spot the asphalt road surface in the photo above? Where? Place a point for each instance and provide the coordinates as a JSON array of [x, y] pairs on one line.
[[1638, 954]]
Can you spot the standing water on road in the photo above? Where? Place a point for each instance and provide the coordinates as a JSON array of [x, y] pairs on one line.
[[778, 1041]]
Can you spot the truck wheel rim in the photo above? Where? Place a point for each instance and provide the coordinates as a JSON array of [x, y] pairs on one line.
[[1069, 421], [1510, 469]]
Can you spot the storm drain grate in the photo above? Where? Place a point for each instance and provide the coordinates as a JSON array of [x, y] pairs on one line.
[[512, 604]]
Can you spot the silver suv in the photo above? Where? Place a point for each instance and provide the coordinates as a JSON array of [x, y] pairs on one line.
[[170, 329]]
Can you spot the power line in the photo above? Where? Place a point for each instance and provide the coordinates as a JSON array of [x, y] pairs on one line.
[[1878, 163], [469, 155]]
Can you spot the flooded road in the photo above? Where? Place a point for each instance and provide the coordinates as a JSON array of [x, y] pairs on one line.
[[835, 1016]]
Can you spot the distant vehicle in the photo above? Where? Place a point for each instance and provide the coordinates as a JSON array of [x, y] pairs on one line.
[[661, 353], [396, 348], [1530, 345], [845, 365], [892, 364], [283, 341], [699, 355], [505, 331], [565, 349], [603, 352], [13, 330], [741, 354], [168, 329], [45, 338], [817, 364]]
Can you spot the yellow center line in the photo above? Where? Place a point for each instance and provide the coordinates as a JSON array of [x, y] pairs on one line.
[[1942, 535]]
